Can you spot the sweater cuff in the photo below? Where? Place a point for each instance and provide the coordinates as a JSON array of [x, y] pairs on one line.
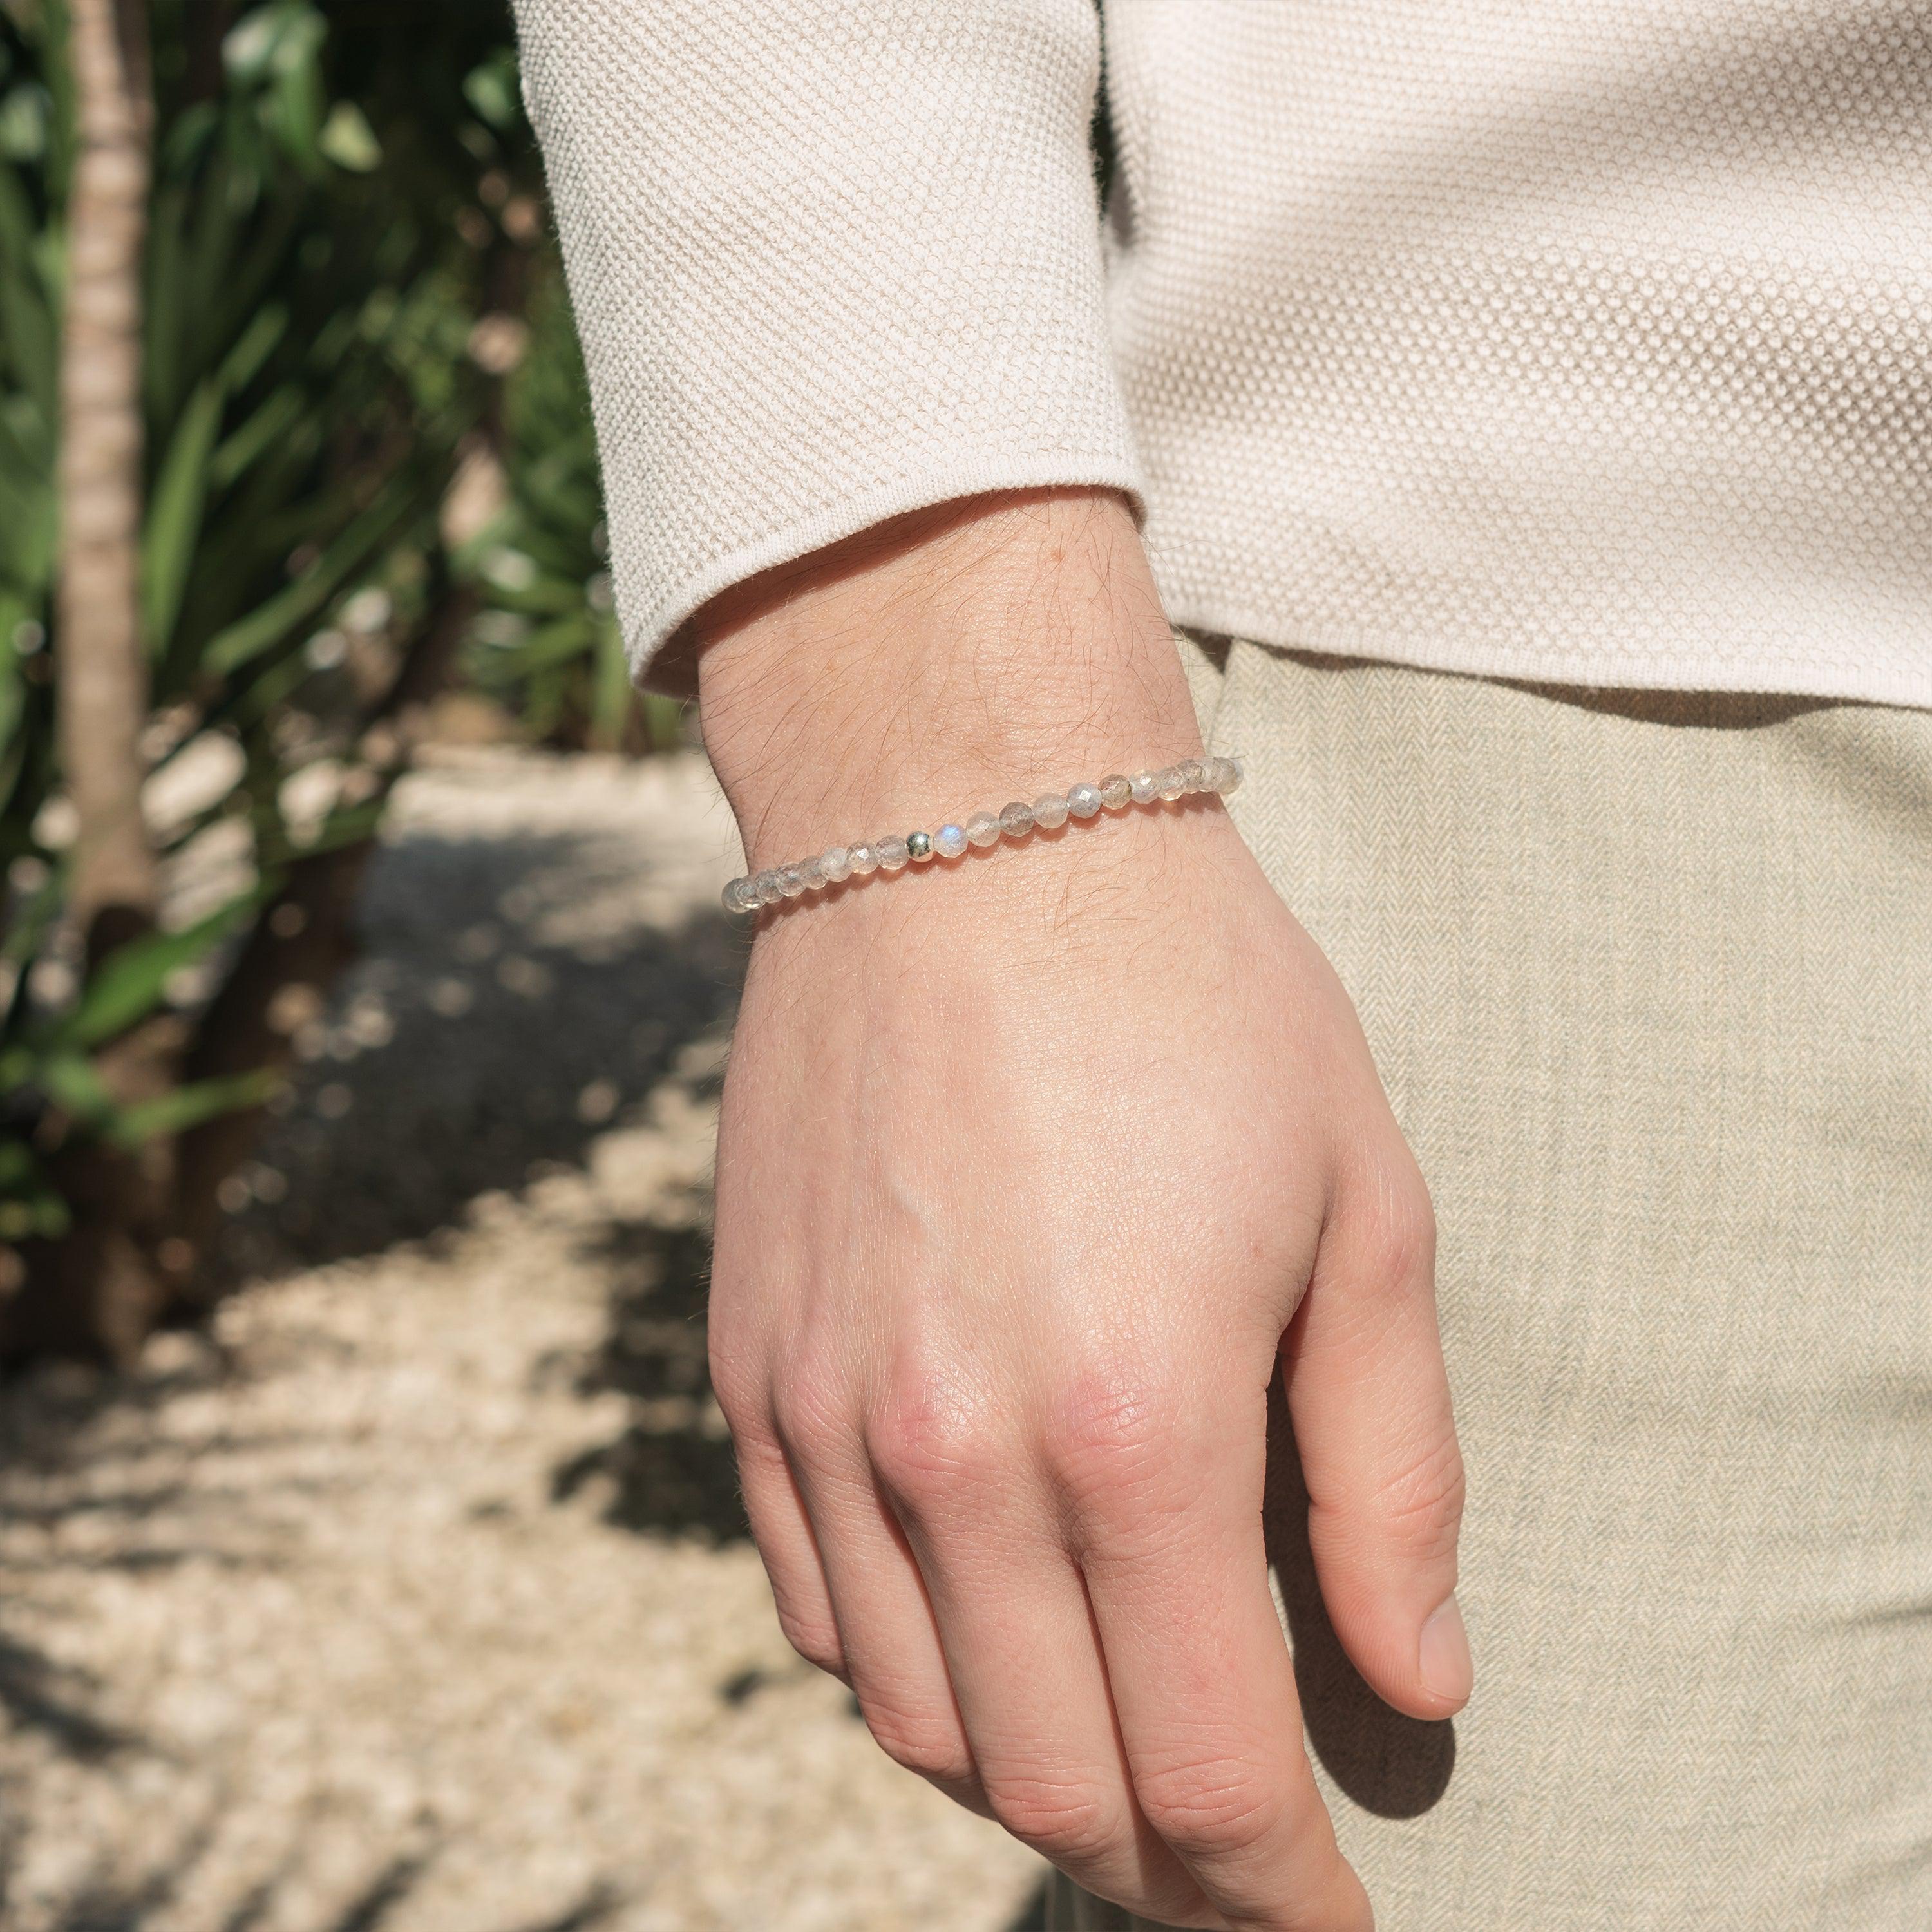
[[832, 260]]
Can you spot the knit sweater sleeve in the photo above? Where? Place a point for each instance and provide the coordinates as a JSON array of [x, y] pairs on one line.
[[831, 260]]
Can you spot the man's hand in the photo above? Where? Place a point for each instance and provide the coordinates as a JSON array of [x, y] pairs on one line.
[[1034, 1169]]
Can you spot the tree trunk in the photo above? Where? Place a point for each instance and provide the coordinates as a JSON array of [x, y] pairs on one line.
[[100, 661]]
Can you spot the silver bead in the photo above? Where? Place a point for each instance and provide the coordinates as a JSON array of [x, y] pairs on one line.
[[1016, 819], [982, 829], [1083, 801], [1116, 791], [1144, 787], [919, 847], [892, 853], [768, 888], [835, 862], [865, 859], [949, 841], [1049, 810]]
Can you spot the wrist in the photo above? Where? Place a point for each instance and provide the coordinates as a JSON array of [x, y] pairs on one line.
[[952, 660]]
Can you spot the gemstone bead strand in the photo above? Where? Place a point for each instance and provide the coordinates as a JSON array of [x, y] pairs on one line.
[[981, 829]]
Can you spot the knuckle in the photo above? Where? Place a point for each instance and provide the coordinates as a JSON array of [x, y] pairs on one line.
[[1113, 1430], [1400, 1236], [927, 1744], [811, 1422], [1392, 1237], [742, 1418], [761, 1462], [748, 1417], [814, 1638], [1209, 1808], [733, 1354], [933, 1437], [1063, 1819], [1421, 1503]]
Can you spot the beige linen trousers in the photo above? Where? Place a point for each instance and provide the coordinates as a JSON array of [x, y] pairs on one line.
[[1649, 980]]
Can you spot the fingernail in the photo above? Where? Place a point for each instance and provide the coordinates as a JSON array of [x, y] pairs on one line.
[[1444, 1660]]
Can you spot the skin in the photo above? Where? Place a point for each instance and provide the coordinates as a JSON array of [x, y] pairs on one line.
[[1034, 1169]]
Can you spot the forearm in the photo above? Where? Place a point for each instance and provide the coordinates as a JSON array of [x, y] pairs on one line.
[[963, 655]]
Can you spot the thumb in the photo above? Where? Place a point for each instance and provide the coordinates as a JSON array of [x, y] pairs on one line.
[[1369, 1398]]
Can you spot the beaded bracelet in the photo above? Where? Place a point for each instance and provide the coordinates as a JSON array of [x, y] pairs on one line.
[[1047, 812]]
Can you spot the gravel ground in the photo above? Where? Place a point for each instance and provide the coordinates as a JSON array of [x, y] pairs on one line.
[[415, 1595]]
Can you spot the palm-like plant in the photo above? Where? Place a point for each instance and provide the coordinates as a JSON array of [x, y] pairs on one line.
[[305, 320]]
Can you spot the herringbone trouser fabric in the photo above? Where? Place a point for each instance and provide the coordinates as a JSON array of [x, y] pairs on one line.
[[1650, 983]]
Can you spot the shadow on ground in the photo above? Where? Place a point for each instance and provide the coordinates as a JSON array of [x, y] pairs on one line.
[[671, 1471], [511, 1007], [123, 1909]]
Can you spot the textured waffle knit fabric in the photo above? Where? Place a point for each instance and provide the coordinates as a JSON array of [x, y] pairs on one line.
[[1587, 342], [1649, 980]]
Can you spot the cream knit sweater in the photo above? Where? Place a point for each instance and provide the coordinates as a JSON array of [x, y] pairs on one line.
[[1579, 342]]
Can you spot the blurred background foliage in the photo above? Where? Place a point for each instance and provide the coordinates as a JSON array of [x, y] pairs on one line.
[[370, 519]]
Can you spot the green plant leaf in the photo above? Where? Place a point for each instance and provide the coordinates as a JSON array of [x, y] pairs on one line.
[[24, 116], [27, 518], [70, 1080], [253, 347], [28, 329], [262, 430], [272, 40], [128, 984], [611, 696], [185, 1107], [173, 526], [491, 89], [269, 624], [348, 140]]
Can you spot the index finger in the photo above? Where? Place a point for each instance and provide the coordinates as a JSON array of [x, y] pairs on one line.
[[1167, 1534]]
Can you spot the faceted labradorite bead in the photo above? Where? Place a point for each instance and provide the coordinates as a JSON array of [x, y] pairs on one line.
[[768, 888], [791, 880], [1083, 801], [892, 853], [949, 841], [815, 875], [919, 847], [1049, 810], [1016, 819], [1193, 775], [1224, 774], [1116, 791], [1235, 775], [982, 829], [835, 862], [730, 897], [865, 859], [1144, 787], [1171, 783]]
